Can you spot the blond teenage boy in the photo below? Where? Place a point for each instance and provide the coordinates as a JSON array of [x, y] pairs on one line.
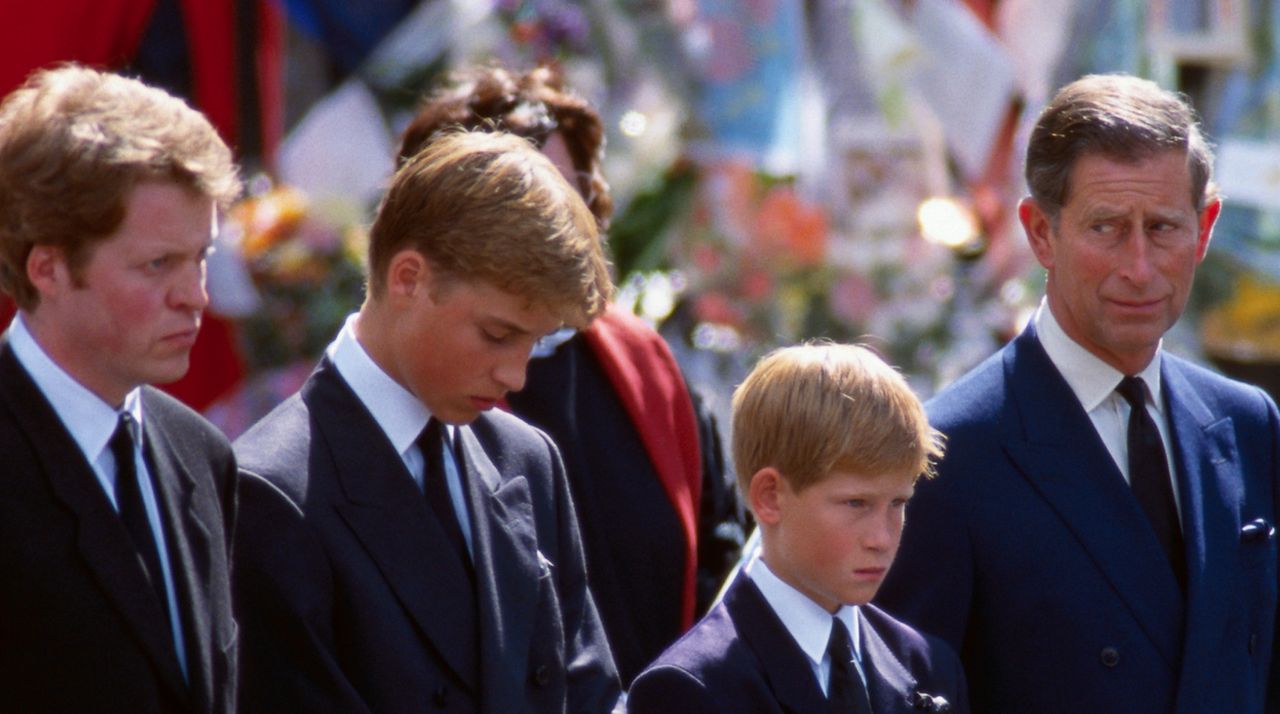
[[403, 546], [828, 442]]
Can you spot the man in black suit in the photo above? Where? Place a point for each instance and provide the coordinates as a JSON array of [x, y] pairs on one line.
[[404, 547], [115, 500]]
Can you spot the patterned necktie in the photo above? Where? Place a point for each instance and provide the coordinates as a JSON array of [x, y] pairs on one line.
[[132, 510], [1149, 476], [846, 694]]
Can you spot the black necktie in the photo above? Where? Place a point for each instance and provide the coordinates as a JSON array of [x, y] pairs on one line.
[[436, 487], [1149, 475], [132, 510], [846, 693]]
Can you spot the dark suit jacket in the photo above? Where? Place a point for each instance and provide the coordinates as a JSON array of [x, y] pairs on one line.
[[81, 629], [740, 659], [351, 598], [657, 507], [1031, 556]]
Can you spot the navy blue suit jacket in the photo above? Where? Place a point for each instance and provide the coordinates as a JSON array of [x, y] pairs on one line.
[[1031, 556], [81, 629], [352, 599], [740, 659]]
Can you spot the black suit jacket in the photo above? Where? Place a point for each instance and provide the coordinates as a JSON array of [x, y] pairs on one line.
[[351, 598], [81, 629], [740, 659]]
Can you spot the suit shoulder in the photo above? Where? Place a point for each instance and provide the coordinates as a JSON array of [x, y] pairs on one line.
[[922, 653], [976, 400], [182, 423], [277, 448], [506, 436], [1211, 385], [711, 656], [711, 643], [173, 412]]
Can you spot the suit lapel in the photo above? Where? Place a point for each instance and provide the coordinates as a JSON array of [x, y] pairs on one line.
[[101, 539], [189, 545], [782, 663], [1060, 453], [889, 684], [508, 568], [1207, 463], [390, 518]]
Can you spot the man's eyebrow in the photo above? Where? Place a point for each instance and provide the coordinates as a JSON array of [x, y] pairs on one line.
[[502, 322]]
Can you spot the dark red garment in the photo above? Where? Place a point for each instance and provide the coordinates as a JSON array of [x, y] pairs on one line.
[[650, 385]]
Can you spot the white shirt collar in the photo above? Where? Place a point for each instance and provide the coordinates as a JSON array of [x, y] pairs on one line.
[[398, 413], [809, 624], [1089, 377], [88, 419]]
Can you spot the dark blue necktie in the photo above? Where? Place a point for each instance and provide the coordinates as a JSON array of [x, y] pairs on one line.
[[435, 487], [1149, 476], [846, 694]]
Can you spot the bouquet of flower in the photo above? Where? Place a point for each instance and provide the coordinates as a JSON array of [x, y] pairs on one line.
[[307, 269]]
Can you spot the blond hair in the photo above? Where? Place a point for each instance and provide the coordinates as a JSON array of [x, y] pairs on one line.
[[814, 409], [74, 142], [488, 207]]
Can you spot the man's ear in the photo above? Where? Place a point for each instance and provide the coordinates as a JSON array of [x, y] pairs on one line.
[[1208, 216], [1039, 228], [764, 495], [47, 270], [408, 276]]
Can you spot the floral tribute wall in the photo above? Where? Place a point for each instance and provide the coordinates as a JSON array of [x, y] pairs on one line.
[[785, 171]]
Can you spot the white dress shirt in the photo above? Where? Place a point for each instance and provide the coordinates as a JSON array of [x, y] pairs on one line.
[[398, 413], [91, 423], [808, 623], [1094, 383]]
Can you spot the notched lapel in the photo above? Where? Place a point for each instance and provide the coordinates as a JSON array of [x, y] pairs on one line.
[[189, 544], [1207, 461], [890, 685], [507, 567], [782, 663], [390, 518], [101, 537]]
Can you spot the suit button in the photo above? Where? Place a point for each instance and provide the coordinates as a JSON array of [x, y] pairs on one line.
[[1110, 657], [439, 697], [541, 675]]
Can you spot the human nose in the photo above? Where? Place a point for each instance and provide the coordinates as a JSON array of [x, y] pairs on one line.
[[510, 372], [189, 291], [1136, 260], [884, 530]]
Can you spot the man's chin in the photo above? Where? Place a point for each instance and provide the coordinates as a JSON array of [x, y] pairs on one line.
[[168, 371]]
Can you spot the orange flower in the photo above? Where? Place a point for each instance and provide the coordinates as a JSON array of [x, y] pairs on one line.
[[269, 218], [789, 227]]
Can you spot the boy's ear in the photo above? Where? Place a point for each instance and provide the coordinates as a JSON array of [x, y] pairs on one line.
[[407, 273], [764, 495]]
